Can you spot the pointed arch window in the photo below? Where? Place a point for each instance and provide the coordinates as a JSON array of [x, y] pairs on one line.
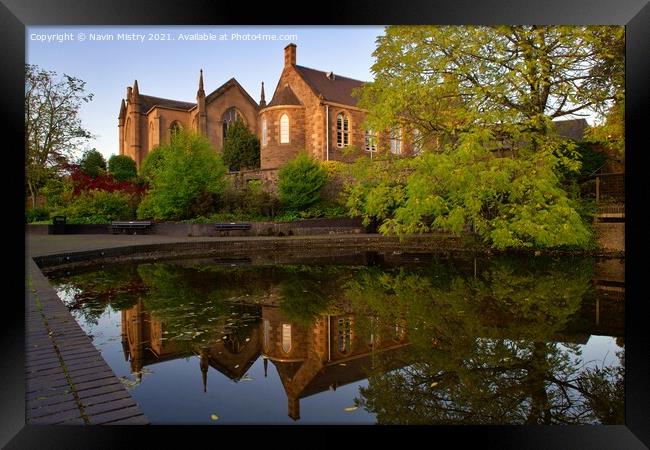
[[264, 132], [342, 130], [286, 337], [229, 118], [284, 129], [175, 128], [126, 133]]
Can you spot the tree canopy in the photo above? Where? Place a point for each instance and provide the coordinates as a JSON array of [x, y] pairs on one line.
[[122, 167], [187, 175], [92, 163], [445, 79], [241, 149], [53, 128]]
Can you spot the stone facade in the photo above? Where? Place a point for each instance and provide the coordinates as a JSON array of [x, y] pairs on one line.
[[311, 101]]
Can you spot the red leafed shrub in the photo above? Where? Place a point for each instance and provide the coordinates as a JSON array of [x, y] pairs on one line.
[[104, 182]]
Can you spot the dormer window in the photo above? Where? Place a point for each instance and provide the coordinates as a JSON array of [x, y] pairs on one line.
[[342, 130]]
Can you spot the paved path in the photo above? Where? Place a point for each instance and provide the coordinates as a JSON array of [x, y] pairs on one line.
[[66, 379]]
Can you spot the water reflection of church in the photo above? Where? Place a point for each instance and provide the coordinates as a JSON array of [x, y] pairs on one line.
[[333, 351], [309, 360]]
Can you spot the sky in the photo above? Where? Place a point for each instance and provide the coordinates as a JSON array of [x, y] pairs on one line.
[[166, 65]]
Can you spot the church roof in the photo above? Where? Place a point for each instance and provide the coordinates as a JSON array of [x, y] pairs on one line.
[[224, 87], [284, 96], [337, 89], [571, 129], [148, 102]]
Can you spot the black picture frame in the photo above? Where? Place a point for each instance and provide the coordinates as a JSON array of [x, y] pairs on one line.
[[15, 15]]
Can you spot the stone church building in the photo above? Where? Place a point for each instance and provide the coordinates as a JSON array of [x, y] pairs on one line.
[[310, 110]]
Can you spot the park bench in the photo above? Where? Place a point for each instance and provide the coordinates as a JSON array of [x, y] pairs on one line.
[[129, 225], [225, 227]]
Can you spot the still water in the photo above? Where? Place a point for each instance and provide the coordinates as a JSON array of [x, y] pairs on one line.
[[361, 339]]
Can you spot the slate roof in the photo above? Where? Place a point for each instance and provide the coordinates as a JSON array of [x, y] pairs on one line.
[[148, 102], [284, 96], [337, 90], [224, 87]]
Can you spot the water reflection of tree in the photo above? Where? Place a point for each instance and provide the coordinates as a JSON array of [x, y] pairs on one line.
[[485, 348], [90, 292], [307, 292]]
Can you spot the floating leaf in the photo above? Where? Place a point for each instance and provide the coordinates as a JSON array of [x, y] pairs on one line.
[[214, 417], [434, 384], [351, 408]]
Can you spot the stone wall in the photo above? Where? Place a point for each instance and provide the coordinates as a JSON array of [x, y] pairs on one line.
[[611, 235]]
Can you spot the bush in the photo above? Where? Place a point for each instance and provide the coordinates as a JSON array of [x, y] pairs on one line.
[[98, 206], [92, 163], [250, 200], [300, 182], [241, 149], [36, 214], [151, 163], [122, 167], [186, 179]]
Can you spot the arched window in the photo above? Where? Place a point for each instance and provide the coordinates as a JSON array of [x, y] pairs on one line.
[[417, 142], [344, 334], [286, 337], [371, 141], [174, 128], [396, 141], [150, 135], [230, 117], [284, 129], [342, 130], [267, 335], [264, 132], [126, 134]]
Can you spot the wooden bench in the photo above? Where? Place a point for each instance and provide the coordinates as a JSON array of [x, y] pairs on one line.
[[225, 227], [129, 225]]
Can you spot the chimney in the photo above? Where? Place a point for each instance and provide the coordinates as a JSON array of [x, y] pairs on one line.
[[290, 55]]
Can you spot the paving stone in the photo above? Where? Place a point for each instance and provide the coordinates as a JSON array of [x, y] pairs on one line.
[[109, 406], [112, 416], [50, 409], [135, 420]]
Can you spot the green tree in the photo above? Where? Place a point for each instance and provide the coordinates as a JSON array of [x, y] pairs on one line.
[[92, 163], [509, 202], [189, 176], [300, 182], [440, 79], [241, 149], [53, 128], [122, 167], [151, 163]]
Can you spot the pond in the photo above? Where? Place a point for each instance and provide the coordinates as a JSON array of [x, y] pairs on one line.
[[366, 338]]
